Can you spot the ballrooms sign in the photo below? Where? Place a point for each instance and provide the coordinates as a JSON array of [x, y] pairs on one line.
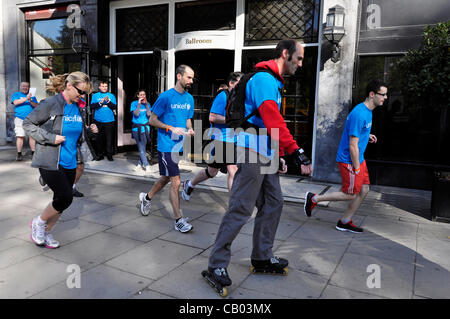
[[205, 40]]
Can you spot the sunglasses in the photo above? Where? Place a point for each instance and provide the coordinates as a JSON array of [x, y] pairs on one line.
[[385, 94], [81, 92]]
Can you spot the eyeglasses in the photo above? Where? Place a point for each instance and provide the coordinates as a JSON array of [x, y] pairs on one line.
[[385, 94], [81, 92]]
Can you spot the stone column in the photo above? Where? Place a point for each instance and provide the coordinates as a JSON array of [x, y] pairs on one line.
[[3, 99], [334, 94]]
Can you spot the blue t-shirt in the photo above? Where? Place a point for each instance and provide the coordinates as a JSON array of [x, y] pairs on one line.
[[173, 108], [221, 132], [358, 124], [142, 118], [72, 127], [103, 114], [261, 87], [22, 110]]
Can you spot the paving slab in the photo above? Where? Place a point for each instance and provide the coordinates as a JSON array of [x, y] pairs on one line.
[[322, 232], [396, 278], [18, 254], [201, 236], [431, 280], [93, 250], [29, 279], [154, 259], [297, 284], [101, 282], [334, 292], [144, 228], [112, 216], [312, 256]]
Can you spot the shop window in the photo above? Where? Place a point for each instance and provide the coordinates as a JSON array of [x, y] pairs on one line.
[[205, 15], [142, 28], [405, 132], [267, 22]]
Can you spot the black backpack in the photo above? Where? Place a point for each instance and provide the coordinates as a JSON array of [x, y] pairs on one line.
[[235, 109]]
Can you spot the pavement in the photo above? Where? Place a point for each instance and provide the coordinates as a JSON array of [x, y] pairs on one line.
[[109, 250]]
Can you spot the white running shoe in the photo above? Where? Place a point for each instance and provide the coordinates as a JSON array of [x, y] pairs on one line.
[[50, 242], [37, 232], [138, 168], [187, 190], [145, 204], [182, 225]]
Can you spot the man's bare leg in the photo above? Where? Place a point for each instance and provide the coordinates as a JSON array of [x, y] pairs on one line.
[[175, 196]]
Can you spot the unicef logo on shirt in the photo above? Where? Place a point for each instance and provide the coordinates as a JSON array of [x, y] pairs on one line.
[[74, 118], [185, 106]]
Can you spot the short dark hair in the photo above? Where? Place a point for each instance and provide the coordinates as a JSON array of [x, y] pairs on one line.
[[289, 44], [103, 82], [141, 90], [374, 86], [181, 69], [234, 77]]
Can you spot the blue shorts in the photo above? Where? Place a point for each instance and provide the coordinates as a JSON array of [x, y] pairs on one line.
[[168, 166]]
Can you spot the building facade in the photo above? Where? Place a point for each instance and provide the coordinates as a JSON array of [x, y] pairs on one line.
[[137, 44]]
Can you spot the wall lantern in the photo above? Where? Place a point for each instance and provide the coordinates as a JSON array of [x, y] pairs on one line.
[[79, 41], [334, 30]]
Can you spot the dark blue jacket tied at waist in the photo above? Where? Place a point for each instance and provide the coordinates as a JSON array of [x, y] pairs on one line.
[[146, 128]]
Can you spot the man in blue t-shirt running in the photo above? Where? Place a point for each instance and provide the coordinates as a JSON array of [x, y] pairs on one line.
[[171, 115], [350, 158], [23, 103], [223, 140]]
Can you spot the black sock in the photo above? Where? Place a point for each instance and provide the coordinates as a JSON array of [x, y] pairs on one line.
[[176, 220], [19, 153], [146, 197]]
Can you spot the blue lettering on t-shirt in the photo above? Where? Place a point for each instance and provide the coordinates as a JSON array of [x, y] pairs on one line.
[[22, 110], [358, 124], [72, 126], [173, 108], [103, 114]]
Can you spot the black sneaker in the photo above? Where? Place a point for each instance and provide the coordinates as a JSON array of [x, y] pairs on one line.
[[349, 227], [19, 157], [76, 193], [220, 275], [100, 158], [309, 204], [110, 158], [279, 262]]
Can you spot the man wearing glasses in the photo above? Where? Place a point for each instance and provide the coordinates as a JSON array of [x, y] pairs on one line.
[[350, 158]]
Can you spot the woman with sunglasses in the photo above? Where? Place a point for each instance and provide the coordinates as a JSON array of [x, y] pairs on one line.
[[58, 126]]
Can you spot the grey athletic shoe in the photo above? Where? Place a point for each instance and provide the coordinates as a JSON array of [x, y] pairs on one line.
[[146, 205], [37, 232], [50, 242], [182, 225], [186, 194]]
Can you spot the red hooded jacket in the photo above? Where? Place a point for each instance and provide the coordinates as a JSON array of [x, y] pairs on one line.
[[271, 115]]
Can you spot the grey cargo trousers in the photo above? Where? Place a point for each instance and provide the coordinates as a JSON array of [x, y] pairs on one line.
[[250, 188]]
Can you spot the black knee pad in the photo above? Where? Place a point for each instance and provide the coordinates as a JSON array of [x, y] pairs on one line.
[[207, 173]]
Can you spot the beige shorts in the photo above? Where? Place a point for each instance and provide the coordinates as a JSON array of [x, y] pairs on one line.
[[18, 128]]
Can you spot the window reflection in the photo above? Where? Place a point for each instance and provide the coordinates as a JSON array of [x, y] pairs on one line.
[[50, 35]]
